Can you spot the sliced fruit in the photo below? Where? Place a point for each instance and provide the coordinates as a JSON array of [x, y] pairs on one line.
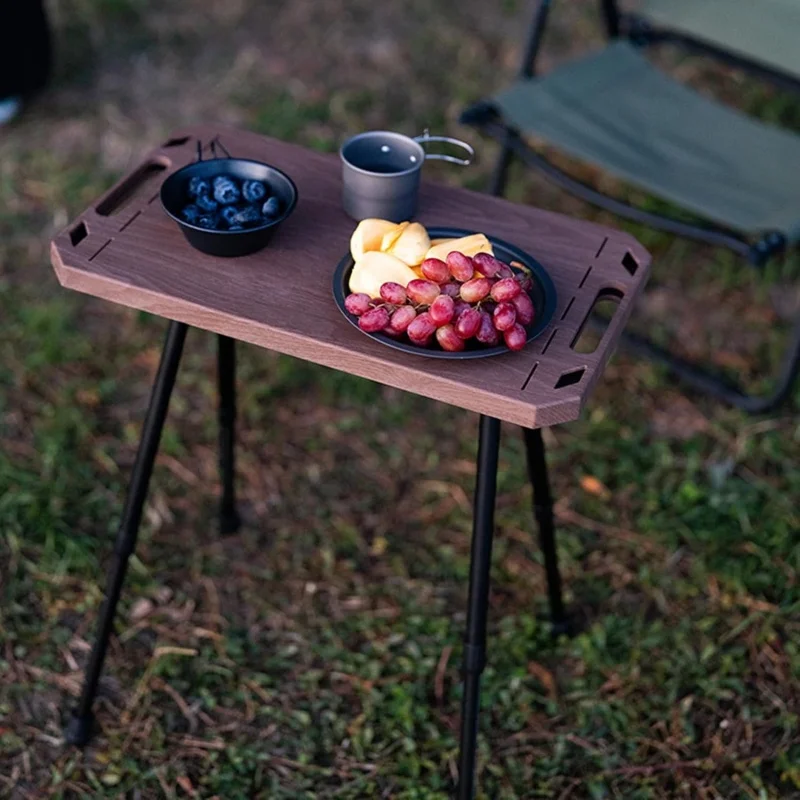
[[434, 242], [390, 237], [374, 269], [412, 245], [368, 235], [468, 245]]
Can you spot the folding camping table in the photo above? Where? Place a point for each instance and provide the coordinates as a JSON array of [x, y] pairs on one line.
[[125, 249]]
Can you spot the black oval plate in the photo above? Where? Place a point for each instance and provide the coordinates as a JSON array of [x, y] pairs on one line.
[[543, 295]]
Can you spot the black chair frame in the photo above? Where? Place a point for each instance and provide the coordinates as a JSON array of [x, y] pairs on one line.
[[484, 118]]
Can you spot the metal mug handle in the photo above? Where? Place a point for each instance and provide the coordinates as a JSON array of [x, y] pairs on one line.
[[462, 162]]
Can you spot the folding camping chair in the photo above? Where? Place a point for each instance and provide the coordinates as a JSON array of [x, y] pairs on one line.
[[614, 109]]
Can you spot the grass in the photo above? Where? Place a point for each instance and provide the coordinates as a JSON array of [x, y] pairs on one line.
[[316, 653]]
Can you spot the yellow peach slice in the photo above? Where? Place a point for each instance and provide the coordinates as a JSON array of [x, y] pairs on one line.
[[412, 245], [374, 269], [368, 235], [390, 237], [468, 245]]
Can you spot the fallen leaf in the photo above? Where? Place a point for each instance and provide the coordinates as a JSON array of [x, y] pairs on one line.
[[141, 608], [88, 397], [379, 545], [545, 677], [592, 485]]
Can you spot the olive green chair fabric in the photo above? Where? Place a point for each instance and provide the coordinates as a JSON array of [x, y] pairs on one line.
[[618, 111], [764, 31]]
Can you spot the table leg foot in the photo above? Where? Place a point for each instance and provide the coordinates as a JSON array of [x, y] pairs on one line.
[[79, 727], [543, 512], [229, 520], [478, 603], [78, 730]]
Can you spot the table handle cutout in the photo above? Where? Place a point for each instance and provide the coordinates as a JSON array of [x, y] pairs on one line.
[[585, 340], [570, 378], [122, 195], [630, 263], [78, 234]]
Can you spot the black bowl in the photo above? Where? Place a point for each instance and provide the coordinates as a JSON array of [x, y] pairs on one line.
[[174, 197]]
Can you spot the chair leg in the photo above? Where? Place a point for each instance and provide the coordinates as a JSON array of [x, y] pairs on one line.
[[478, 603], [718, 387], [500, 174], [543, 512], [79, 727], [229, 521]]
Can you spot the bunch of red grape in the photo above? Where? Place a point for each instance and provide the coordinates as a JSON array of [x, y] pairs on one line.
[[458, 300]]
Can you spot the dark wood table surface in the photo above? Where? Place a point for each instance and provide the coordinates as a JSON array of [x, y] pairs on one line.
[[125, 249]]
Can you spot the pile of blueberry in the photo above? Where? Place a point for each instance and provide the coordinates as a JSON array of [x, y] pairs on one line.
[[224, 203]]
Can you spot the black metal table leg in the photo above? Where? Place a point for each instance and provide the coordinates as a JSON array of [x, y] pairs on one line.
[[478, 604], [543, 512], [229, 521], [79, 727]]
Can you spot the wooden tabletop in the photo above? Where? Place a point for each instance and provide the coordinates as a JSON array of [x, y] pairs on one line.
[[125, 249]]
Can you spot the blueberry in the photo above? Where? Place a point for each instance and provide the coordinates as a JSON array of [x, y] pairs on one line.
[[198, 186], [190, 214], [225, 190], [208, 221], [272, 208], [228, 213], [247, 216], [236, 228], [253, 191], [205, 203]]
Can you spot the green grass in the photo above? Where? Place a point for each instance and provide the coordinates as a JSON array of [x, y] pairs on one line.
[[316, 653]]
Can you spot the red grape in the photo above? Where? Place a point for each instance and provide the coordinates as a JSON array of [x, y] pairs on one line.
[[421, 329], [505, 315], [402, 318], [442, 309], [468, 323], [525, 281], [422, 291], [525, 310], [435, 269], [505, 289], [460, 266], [474, 290], [487, 333], [374, 320], [515, 337], [487, 265], [393, 293], [358, 303], [449, 339], [505, 271], [451, 289], [460, 306]]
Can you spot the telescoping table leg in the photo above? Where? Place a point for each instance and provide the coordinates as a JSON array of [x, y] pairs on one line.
[[478, 603], [229, 521], [79, 726], [543, 512]]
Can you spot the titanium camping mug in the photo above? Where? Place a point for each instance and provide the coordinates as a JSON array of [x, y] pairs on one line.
[[381, 169]]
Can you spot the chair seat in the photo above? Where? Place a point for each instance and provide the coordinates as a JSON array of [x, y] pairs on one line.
[[616, 110], [764, 31]]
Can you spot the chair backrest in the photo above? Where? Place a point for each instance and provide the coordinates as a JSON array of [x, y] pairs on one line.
[[760, 37]]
